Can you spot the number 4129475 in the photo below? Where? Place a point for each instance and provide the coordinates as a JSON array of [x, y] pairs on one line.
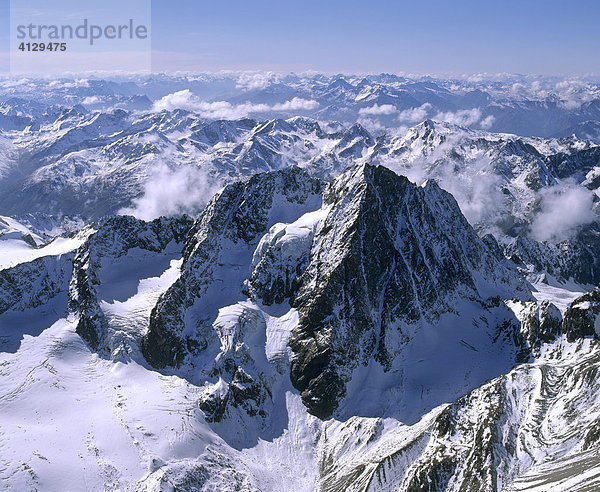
[[43, 47]]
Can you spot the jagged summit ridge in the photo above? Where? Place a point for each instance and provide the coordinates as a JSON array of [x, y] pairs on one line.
[[383, 259], [363, 264], [227, 232]]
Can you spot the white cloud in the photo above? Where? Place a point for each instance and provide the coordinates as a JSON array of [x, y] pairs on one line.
[[487, 122], [61, 84], [414, 115], [478, 77], [255, 80], [188, 101], [478, 195], [519, 90], [565, 207], [296, 104], [466, 117], [184, 99], [573, 93], [376, 109], [91, 100], [171, 192], [20, 83], [372, 126]]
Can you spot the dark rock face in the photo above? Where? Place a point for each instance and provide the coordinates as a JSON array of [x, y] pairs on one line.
[[274, 281], [33, 284], [388, 253], [113, 238], [244, 392], [279, 260], [541, 323], [564, 164], [577, 258], [582, 318], [232, 223]]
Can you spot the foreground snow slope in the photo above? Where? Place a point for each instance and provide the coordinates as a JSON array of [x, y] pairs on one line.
[[73, 420]]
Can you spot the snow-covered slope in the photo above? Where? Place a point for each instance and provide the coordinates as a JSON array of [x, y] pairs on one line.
[[99, 163], [497, 178], [441, 372]]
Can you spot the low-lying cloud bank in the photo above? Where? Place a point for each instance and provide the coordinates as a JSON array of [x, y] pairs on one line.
[[171, 192], [564, 208], [415, 115], [188, 101], [462, 117], [377, 110], [466, 117]]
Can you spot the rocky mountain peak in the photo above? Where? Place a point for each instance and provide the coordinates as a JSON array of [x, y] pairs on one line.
[[383, 259]]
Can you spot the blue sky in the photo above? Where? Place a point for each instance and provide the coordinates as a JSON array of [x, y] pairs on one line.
[[549, 37], [427, 36]]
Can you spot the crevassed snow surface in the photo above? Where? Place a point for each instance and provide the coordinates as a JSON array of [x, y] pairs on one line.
[[559, 294], [134, 312], [72, 419]]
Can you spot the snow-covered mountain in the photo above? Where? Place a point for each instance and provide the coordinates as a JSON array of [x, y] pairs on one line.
[[100, 163], [234, 282], [538, 197], [338, 337]]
